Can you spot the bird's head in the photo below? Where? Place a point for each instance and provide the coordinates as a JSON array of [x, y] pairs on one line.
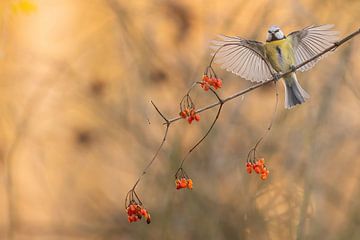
[[274, 33]]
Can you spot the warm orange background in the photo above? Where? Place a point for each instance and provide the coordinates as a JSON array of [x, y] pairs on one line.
[[76, 81]]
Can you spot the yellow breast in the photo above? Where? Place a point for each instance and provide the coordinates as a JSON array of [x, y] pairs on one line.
[[280, 54]]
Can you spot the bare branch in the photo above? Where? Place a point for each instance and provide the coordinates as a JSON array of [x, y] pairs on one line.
[[221, 102]]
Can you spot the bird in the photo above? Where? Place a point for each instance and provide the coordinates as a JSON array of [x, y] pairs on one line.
[[260, 62]]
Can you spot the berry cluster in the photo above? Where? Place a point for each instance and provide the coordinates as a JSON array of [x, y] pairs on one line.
[[135, 212], [258, 167], [207, 82], [184, 183], [134, 209], [187, 109], [190, 114], [182, 180]]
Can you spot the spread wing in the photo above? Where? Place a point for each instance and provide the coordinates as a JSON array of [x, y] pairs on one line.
[[311, 41], [242, 57]]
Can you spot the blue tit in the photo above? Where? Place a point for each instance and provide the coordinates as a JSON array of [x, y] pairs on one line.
[[259, 62]]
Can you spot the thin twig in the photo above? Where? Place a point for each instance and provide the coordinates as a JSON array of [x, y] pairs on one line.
[[159, 148], [267, 130], [272, 118], [162, 115], [221, 102]]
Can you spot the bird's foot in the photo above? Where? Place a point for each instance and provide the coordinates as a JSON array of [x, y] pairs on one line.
[[276, 76], [292, 68]]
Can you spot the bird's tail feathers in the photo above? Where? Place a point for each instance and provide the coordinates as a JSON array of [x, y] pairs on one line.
[[294, 93]]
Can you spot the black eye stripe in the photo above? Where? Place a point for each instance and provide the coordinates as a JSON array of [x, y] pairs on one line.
[[277, 30]]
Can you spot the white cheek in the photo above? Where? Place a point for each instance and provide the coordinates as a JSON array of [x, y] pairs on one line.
[[279, 35]]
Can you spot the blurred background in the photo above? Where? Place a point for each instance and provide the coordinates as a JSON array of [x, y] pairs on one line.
[[77, 127]]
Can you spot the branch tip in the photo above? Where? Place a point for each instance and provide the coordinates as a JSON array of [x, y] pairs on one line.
[[160, 113]]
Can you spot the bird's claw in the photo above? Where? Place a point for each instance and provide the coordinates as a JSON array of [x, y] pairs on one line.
[[292, 68], [276, 76]]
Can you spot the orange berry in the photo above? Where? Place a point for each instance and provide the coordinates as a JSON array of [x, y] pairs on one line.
[[177, 183], [132, 218], [183, 183], [205, 86], [207, 79], [131, 209], [189, 184], [190, 119], [197, 117], [249, 167], [219, 83], [261, 161], [257, 168], [213, 83], [143, 212], [138, 210], [264, 174], [182, 114]]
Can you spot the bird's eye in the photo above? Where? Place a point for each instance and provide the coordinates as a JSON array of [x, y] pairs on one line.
[[277, 30], [269, 31]]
